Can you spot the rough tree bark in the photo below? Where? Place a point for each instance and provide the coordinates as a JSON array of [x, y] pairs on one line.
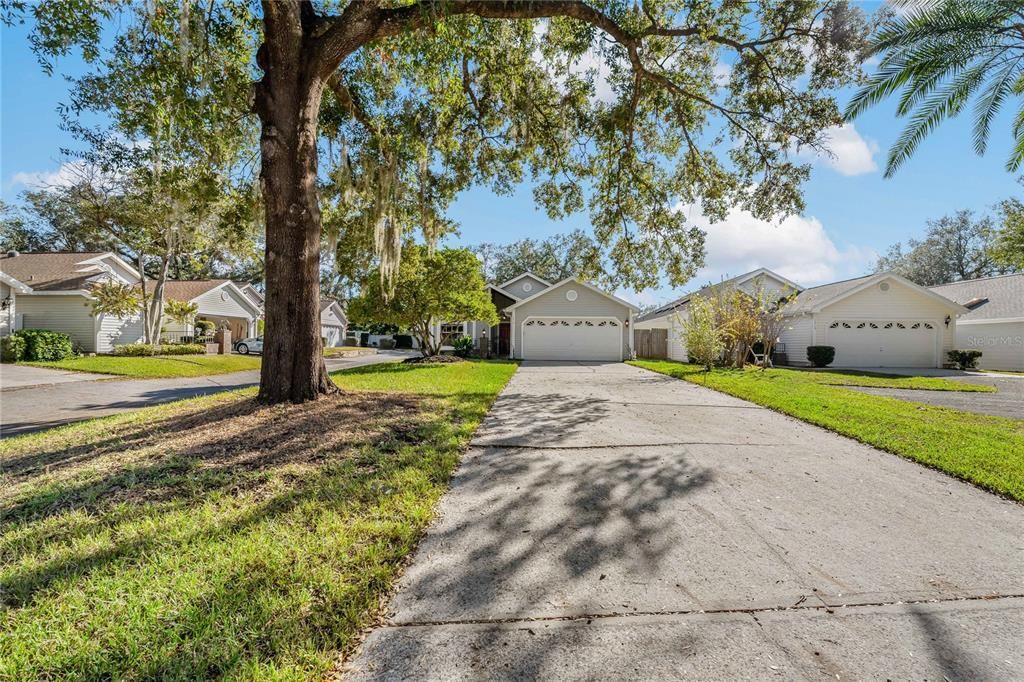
[[288, 102]]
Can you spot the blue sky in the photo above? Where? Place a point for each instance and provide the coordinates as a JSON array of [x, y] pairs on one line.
[[852, 211]]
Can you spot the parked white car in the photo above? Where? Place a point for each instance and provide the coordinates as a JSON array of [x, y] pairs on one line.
[[253, 344]]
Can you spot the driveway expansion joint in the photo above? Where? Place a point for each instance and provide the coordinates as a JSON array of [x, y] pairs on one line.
[[799, 606], [615, 446]]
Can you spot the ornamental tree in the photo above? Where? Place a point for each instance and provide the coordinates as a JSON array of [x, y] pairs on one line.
[[429, 288], [624, 109]]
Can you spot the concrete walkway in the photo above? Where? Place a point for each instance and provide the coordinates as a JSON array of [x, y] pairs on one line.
[[33, 409], [612, 523]]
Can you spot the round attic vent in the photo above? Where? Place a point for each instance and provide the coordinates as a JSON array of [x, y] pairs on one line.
[[571, 295], [223, 295], [884, 286], [527, 286]]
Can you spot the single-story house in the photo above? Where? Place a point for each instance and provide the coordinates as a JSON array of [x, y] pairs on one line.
[[333, 322], [994, 321], [880, 320], [52, 291], [671, 315], [220, 301], [567, 320]]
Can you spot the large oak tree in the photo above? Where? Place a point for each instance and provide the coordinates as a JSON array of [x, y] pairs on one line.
[[623, 108]]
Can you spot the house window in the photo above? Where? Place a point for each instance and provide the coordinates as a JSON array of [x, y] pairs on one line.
[[451, 331]]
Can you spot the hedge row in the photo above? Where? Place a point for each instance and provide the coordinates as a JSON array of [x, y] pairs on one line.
[[146, 349]]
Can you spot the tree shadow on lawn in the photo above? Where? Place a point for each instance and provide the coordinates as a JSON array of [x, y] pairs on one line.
[[141, 496]]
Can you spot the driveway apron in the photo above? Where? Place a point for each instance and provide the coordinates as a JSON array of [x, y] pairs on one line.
[[610, 522]]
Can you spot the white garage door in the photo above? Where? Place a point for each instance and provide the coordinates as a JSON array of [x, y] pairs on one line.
[[572, 338], [332, 335], [883, 343]]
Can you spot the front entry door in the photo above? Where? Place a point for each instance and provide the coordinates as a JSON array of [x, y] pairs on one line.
[[504, 337]]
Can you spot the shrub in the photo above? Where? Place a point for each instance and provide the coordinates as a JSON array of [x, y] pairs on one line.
[[133, 349], [964, 359], [463, 346], [386, 344], [204, 327], [43, 344], [364, 339], [821, 356], [139, 350], [12, 348], [403, 341], [350, 341], [182, 349]]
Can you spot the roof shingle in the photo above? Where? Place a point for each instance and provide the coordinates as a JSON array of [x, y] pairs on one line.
[[1005, 294], [52, 271]]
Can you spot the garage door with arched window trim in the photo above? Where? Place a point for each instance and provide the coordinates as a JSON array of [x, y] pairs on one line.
[[884, 343], [572, 338]]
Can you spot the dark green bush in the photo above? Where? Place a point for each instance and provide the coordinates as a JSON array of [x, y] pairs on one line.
[[43, 344], [139, 350], [12, 348], [964, 359], [403, 341], [364, 339], [350, 341], [821, 356], [463, 346], [204, 327]]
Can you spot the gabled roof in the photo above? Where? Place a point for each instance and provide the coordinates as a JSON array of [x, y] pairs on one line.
[[816, 298], [191, 289], [254, 294], [525, 274], [58, 271], [339, 310], [707, 289], [1004, 294], [576, 281], [494, 287]]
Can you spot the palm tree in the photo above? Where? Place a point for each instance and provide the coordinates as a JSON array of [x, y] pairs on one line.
[[941, 54]]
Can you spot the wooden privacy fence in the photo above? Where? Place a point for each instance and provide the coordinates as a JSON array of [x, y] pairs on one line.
[[651, 343]]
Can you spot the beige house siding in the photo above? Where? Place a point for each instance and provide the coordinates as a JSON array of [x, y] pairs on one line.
[[225, 304], [1001, 343], [118, 331], [899, 303], [554, 304], [798, 334], [69, 314], [517, 289]]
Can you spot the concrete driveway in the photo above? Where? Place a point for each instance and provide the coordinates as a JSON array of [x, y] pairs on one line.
[[613, 523], [1008, 401]]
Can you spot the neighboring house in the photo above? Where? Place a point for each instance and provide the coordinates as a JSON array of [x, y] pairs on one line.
[[568, 320], [671, 315], [51, 291], [333, 322], [881, 320], [220, 301], [994, 321]]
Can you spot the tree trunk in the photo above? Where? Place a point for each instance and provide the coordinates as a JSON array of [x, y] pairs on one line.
[[156, 305], [288, 102]]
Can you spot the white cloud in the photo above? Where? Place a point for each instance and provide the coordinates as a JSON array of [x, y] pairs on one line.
[[850, 154], [798, 248], [68, 174]]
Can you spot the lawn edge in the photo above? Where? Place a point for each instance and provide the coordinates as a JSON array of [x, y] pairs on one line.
[[975, 484]]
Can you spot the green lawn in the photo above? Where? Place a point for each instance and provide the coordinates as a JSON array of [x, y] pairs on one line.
[[987, 451], [216, 537], [853, 377], [156, 367]]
